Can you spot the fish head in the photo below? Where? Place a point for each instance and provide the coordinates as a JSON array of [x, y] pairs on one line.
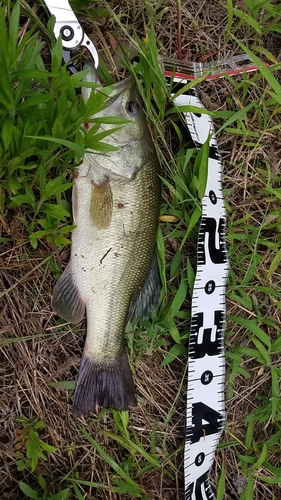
[[133, 139]]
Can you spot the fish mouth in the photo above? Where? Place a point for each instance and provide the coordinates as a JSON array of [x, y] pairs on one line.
[[118, 90], [117, 87], [123, 84]]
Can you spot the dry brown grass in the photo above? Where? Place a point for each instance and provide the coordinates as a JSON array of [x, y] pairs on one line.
[[28, 366], [52, 353]]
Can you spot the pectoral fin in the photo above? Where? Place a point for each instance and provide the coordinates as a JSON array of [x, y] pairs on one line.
[[66, 299], [146, 300], [101, 206]]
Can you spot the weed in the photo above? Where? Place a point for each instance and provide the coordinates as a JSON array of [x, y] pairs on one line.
[[41, 131], [43, 494], [35, 448], [31, 449]]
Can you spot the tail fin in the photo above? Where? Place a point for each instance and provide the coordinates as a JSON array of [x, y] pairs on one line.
[[104, 383]]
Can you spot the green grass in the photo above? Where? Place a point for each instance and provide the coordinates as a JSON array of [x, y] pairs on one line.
[[41, 144], [41, 139]]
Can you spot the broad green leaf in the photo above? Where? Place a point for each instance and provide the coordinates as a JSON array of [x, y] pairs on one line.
[[178, 299], [276, 346], [173, 330], [29, 492], [251, 353], [196, 214], [249, 435], [55, 211], [246, 458], [102, 135], [7, 132], [229, 7], [67, 229], [202, 160], [33, 73], [14, 28], [66, 384], [221, 483], [92, 484], [62, 142], [190, 275], [265, 71], [42, 482], [161, 257], [188, 109], [47, 447], [20, 199], [249, 490], [264, 52], [111, 462], [40, 425], [261, 458], [274, 264], [264, 353], [103, 147], [175, 264], [237, 116], [56, 186], [251, 325], [61, 240], [248, 20], [56, 56], [40, 234], [20, 465], [61, 495], [111, 120], [175, 351]]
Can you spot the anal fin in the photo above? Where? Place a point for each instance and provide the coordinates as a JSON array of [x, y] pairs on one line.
[[66, 299], [146, 300]]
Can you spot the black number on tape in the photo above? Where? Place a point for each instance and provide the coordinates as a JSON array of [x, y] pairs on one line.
[[207, 345], [217, 255], [197, 489], [201, 412]]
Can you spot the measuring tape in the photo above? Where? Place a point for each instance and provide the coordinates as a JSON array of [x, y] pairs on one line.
[[206, 363], [205, 419]]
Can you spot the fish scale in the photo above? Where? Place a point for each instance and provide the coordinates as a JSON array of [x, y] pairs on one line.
[[103, 271], [112, 271]]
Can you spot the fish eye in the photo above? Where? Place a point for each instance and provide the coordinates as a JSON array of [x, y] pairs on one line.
[[132, 107]]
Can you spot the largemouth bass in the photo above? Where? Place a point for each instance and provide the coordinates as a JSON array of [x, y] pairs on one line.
[[112, 272]]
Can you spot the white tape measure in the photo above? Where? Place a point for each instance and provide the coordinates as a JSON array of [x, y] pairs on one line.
[[206, 363]]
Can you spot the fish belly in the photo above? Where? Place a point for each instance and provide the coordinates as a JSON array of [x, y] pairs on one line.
[[108, 267]]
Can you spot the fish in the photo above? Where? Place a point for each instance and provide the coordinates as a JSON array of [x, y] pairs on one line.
[[112, 273]]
